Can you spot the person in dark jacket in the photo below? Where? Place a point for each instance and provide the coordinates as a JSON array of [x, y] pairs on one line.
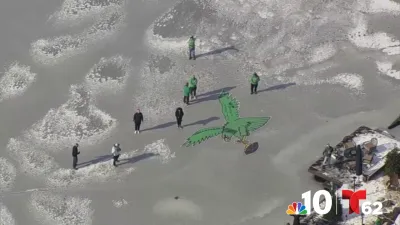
[[75, 153], [179, 115], [137, 119]]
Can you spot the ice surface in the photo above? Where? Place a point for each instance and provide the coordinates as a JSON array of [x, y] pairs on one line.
[[322, 53], [72, 12], [265, 209], [7, 174], [76, 121], [31, 157], [55, 50], [387, 69], [108, 75], [6, 217], [181, 208], [16, 80], [54, 209]]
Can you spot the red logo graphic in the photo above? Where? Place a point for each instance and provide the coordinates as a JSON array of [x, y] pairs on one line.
[[354, 199]]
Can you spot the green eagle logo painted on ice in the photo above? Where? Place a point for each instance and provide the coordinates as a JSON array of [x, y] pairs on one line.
[[234, 126]]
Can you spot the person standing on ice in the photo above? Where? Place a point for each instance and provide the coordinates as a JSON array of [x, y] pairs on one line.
[[186, 93], [192, 46], [137, 119], [115, 151], [193, 87], [254, 83], [75, 153], [179, 116]]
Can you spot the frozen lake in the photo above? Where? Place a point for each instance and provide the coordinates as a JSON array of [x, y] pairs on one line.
[[77, 70]]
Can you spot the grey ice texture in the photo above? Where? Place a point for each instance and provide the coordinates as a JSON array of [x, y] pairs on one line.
[[55, 209]]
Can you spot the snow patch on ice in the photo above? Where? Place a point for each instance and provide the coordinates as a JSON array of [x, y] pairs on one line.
[[161, 150], [361, 38], [76, 121], [108, 75], [322, 53], [31, 157], [7, 174], [61, 210], [53, 51], [354, 82], [386, 68], [6, 217], [351, 81], [119, 203], [92, 173], [16, 80], [395, 50], [382, 6], [72, 12], [180, 208]]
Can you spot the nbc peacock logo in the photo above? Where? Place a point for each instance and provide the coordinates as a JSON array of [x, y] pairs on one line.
[[296, 208]]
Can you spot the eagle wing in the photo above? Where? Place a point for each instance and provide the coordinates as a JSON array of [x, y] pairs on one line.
[[229, 106], [254, 123], [202, 135]]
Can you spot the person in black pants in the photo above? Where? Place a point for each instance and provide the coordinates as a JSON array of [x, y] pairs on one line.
[[75, 154], [137, 119], [179, 115]]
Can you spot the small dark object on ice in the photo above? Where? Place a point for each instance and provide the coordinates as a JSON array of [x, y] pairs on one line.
[[251, 148], [176, 197]]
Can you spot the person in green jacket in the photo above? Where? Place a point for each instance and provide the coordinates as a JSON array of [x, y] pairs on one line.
[[193, 86], [186, 93], [192, 46], [254, 83]]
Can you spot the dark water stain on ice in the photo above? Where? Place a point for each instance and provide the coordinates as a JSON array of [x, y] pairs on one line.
[[183, 19], [396, 66], [385, 23], [110, 72], [162, 63]]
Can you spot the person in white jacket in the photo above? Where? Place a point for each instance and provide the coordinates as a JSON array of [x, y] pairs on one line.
[[115, 151]]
